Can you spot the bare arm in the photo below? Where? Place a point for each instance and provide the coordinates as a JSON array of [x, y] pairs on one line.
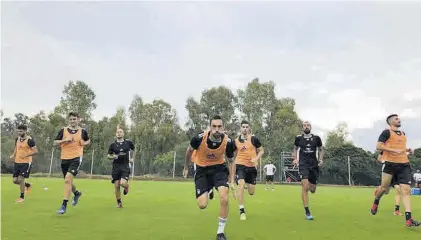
[[321, 151], [294, 152], [260, 152], [34, 151], [232, 170], [382, 147], [189, 153]]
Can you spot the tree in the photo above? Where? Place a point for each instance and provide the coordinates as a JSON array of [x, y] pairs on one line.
[[196, 121], [338, 137], [77, 97]]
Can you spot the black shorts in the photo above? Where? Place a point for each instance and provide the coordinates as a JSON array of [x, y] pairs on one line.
[[22, 169], [401, 172], [310, 173], [249, 174], [269, 178], [120, 171], [207, 178], [72, 166]]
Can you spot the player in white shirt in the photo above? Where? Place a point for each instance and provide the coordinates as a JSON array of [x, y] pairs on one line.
[[417, 178], [270, 170]]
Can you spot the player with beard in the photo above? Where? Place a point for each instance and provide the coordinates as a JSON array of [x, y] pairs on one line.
[[119, 152], [210, 149], [22, 155], [308, 163], [392, 142]]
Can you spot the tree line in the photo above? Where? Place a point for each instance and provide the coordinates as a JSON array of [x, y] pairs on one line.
[[158, 135]]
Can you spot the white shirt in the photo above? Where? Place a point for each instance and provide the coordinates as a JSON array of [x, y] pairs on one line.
[[417, 177], [270, 169]]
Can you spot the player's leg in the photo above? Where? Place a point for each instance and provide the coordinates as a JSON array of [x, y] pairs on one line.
[[241, 175], [220, 181], [251, 180], [404, 180], [17, 180], [271, 182], [313, 179], [115, 179], [305, 187], [74, 169], [68, 177], [267, 182], [387, 175], [202, 186], [397, 199], [27, 173], [124, 180]]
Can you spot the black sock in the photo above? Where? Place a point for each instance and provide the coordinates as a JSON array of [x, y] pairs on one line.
[[307, 210], [242, 210], [65, 202], [22, 195], [396, 207], [76, 192], [377, 201], [408, 215], [118, 201], [27, 185]]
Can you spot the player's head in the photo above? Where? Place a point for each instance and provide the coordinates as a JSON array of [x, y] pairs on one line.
[[418, 171], [306, 127], [216, 126], [73, 119], [119, 133], [21, 129], [245, 127], [393, 120]]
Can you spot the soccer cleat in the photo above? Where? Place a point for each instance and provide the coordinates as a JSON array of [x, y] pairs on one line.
[[119, 205], [374, 209], [412, 223], [220, 236], [309, 217], [20, 200], [266, 189], [397, 213], [126, 191], [243, 216], [62, 210], [211, 194], [273, 189], [76, 199]]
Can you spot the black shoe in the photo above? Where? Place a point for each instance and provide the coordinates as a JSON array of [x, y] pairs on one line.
[[211, 194], [220, 236]]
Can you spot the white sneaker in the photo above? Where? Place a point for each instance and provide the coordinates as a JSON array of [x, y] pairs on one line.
[[266, 189], [273, 189], [243, 216]]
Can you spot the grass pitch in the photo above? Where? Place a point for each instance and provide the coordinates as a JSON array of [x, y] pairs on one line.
[[168, 210]]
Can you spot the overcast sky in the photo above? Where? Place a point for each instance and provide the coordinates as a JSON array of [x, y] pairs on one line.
[[353, 62]]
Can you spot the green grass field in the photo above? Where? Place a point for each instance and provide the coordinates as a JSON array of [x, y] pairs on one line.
[[168, 210]]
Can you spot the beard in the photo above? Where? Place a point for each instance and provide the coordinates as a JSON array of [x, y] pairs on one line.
[[306, 131]]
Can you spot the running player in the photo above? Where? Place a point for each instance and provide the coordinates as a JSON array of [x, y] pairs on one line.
[[392, 142], [249, 151], [212, 146], [394, 184], [72, 140], [308, 163], [22, 155], [119, 152], [417, 178], [270, 170]]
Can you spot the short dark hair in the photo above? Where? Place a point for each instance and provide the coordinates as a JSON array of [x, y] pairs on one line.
[[216, 117], [389, 117], [22, 127], [244, 122], [73, 114]]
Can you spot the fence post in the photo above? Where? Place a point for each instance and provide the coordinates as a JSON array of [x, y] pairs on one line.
[[173, 167], [92, 162], [51, 162]]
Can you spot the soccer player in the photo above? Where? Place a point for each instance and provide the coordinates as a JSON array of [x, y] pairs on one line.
[[249, 151], [417, 178], [308, 163], [22, 155], [270, 170], [72, 139], [119, 152], [392, 142], [395, 185], [212, 146]]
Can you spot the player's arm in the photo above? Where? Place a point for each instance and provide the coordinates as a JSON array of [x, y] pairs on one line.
[[59, 138], [111, 154], [295, 149], [34, 149], [194, 145], [85, 138], [259, 148], [320, 149], [274, 169], [230, 160], [381, 142]]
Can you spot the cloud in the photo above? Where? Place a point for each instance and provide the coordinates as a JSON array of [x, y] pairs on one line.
[[337, 66]]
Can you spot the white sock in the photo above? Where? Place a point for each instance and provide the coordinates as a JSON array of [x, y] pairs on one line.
[[241, 206], [221, 225]]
